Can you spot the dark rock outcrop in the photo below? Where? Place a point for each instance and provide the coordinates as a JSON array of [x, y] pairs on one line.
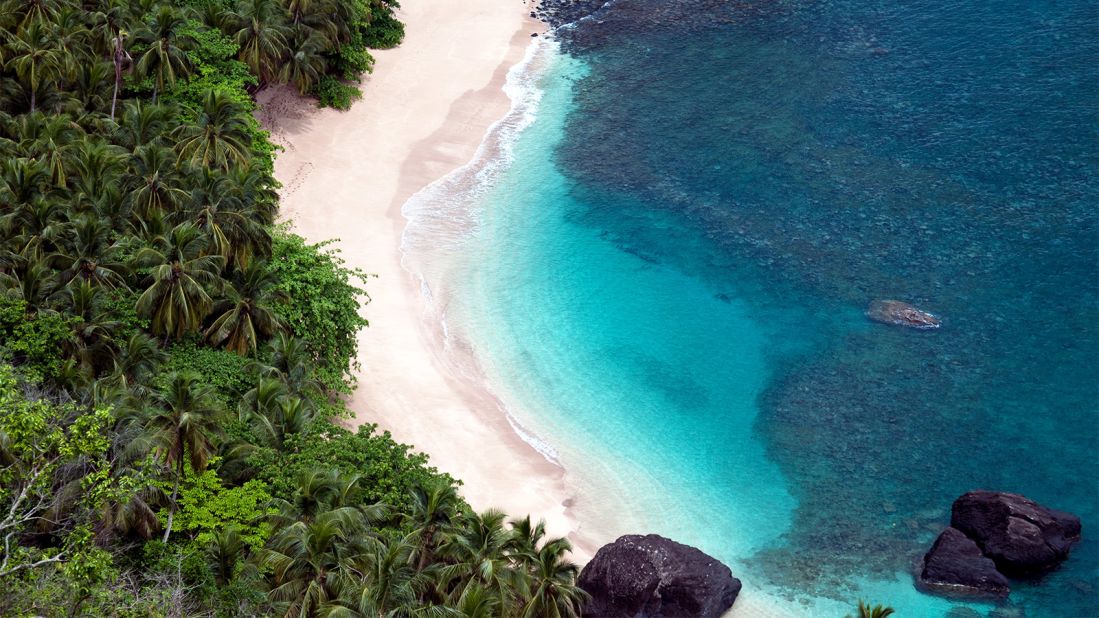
[[955, 566], [1021, 536], [651, 577], [900, 313]]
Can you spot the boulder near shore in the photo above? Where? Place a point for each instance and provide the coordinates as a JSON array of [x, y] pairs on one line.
[[654, 577], [993, 535], [899, 313]]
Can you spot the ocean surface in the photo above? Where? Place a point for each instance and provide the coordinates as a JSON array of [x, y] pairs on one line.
[[660, 261]]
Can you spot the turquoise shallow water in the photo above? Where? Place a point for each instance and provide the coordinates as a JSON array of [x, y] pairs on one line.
[[662, 265]]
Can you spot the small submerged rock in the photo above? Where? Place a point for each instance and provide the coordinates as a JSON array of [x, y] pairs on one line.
[[900, 313], [653, 577]]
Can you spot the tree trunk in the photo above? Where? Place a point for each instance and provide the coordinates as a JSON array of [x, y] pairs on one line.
[[425, 553], [114, 95], [117, 75], [172, 507]]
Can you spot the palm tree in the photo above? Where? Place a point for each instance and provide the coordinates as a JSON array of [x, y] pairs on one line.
[[305, 64], [49, 139], [309, 561], [477, 602], [261, 34], [183, 427], [390, 585], [110, 20], [331, 21], [25, 12], [177, 300], [33, 283], [165, 57], [219, 137], [478, 546], [72, 39], [35, 57], [237, 228], [22, 182], [550, 583], [323, 490], [155, 183], [141, 124], [96, 173], [92, 345], [137, 360], [224, 553], [274, 414], [525, 537], [877, 611], [31, 218], [255, 189], [435, 506], [131, 513], [122, 60], [291, 363], [85, 252], [88, 85], [247, 314]]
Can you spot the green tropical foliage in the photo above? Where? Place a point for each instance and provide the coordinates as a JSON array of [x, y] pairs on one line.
[[876, 611], [171, 362]]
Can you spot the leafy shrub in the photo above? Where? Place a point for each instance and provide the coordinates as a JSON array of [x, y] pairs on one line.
[[225, 371], [384, 31], [389, 470], [331, 92], [323, 305], [206, 507], [35, 342], [352, 59]]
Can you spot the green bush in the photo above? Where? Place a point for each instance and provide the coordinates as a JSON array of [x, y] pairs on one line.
[[389, 470], [36, 342], [331, 92], [206, 507], [225, 371], [352, 59], [323, 306], [384, 31]]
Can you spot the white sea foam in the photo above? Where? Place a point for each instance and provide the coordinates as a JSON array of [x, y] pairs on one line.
[[445, 214], [544, 448]]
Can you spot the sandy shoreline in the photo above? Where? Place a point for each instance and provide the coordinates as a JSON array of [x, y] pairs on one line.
[[345, 175]]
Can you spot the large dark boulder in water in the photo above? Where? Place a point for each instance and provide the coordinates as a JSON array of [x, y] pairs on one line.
[[652, 577], [955, 566], [1021, 536], [900, 313]]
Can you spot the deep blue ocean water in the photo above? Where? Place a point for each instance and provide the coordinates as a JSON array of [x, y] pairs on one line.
[[667, 276]]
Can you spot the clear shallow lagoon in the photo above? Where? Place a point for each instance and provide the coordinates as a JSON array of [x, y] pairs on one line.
[[663, 257]]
